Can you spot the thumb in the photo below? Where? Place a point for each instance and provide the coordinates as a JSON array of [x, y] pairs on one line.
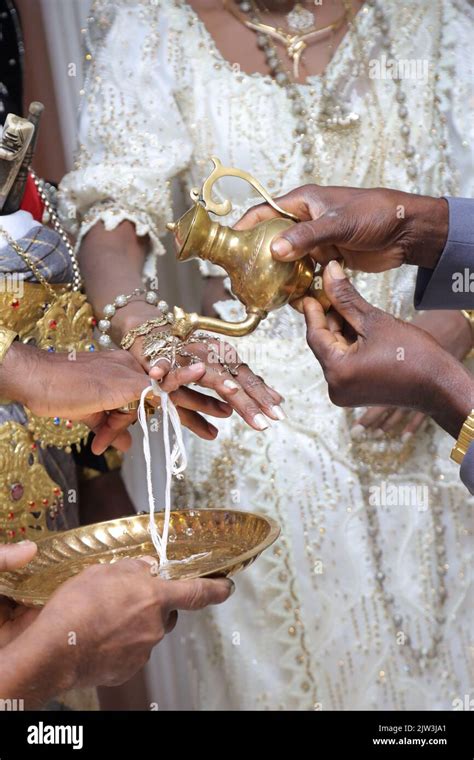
[[197, 594], [345, 299], [301, 238], [16, 556]]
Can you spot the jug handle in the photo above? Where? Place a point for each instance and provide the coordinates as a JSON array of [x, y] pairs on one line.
[[221, 209]]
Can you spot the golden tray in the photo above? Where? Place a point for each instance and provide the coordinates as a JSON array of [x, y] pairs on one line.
[[202, 543]]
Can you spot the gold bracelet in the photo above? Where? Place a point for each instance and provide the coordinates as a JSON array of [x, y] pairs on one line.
[[465, 438], [129, 338], [6, 339]]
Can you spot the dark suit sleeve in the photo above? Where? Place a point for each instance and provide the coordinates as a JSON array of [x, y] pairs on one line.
[[451, 284], [467, 469]]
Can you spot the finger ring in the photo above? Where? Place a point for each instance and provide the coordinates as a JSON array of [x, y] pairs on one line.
[[132, 406]]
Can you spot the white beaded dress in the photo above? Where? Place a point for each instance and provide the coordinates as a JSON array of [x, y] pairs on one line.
[[358, 605]]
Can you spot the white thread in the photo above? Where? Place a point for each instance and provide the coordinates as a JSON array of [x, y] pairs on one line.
[[175, 459]]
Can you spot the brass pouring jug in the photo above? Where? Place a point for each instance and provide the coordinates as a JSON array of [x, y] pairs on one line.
[[257, 280]]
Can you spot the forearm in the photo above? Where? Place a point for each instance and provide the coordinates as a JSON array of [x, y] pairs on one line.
[[111, 264], [35, 667]]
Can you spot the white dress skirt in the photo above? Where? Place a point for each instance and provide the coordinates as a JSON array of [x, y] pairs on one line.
[[363, 603]]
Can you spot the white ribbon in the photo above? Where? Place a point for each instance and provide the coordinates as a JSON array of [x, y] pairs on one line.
[[175, 459]]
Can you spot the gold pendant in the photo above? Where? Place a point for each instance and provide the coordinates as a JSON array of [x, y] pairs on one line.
[[27, 493], [65, 326]]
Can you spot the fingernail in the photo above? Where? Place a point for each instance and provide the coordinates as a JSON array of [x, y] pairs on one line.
[[281, 247], [406, 436], [213, 430], [232, 586], [261, 422], [357, 432], [378, 433], [335, 270], [148, 560], [199, 366], [230, 385], [278, 412]]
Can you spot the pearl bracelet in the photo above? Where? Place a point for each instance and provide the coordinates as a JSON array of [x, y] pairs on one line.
[[120, 301]]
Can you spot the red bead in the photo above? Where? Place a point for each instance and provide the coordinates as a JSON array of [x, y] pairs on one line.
[[15, 303], [68, 424], [57, 490], [53, 324], [33, 447], [93, 321], [32, 504], [45, 502], [10, 533], [22, 530], [11, 515]]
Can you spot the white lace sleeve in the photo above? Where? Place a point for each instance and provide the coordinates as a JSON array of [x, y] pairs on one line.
[[133, 140]]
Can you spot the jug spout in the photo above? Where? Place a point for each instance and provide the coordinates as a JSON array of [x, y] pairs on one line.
[[185, 323]]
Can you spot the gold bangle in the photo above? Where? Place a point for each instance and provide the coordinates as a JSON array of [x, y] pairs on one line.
[[465, 438], [6, 339]]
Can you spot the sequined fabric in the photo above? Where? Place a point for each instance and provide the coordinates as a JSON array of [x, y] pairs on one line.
[[315, 623]]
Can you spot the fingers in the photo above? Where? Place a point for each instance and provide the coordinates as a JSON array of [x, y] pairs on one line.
[[16, 556], [297, 202], [195, 594], [197, 424], [414, 424], [200, 402], [322, 340], [373, 418], [171, 381], [381, 420], [110, 429], [229, 388], [344, 297], [245, 392], [267, 398], [255, 215]]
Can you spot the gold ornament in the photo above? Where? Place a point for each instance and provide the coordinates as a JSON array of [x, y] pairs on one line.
[[65, 326], [27, 493]]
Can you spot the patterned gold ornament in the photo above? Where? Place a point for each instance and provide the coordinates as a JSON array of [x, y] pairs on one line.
[[27, 493], [65, 326]]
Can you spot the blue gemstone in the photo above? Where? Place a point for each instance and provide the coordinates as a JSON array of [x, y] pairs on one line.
[[51, 349], [91, 348], [57, 420]]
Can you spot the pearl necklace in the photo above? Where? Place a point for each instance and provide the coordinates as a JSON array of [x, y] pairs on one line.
[[47, 194]]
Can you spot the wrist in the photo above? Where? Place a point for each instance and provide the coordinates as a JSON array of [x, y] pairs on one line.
[[36, 666], [452, 396], [131, 316], [427, 224], [13, 374]]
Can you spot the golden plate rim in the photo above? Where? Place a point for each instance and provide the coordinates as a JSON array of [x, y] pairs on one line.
[[225, 569]]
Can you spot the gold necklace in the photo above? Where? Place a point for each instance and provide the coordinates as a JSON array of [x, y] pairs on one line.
[[295, 42], [25, 256]]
